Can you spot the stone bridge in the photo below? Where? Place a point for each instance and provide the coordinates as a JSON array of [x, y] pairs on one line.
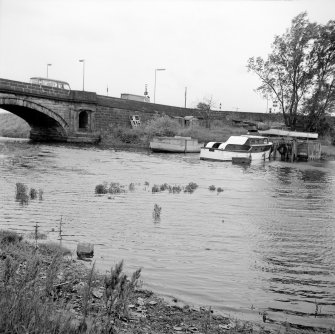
[[79, 116]]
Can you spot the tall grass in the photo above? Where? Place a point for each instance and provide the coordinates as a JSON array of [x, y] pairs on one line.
[[34, 298]]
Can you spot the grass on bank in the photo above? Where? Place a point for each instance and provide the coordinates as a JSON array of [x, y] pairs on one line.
[[37, 285], [166, 126]]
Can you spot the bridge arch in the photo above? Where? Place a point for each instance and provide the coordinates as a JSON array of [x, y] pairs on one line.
[[45, 124]]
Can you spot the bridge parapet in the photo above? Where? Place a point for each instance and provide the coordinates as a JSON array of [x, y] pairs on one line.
[[25, 88]]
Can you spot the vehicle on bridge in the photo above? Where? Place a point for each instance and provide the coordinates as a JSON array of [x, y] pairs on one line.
[[50, 83]]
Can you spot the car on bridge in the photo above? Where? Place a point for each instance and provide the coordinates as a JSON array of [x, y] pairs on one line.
[[50, 83]]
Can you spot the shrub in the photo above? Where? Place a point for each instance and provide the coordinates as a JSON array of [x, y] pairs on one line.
[[162, 126], [131, 187], [219, 190], [212, 188], [128, 136], [9, 237]]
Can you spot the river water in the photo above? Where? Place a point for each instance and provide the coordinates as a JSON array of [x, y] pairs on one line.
[[266, 243]]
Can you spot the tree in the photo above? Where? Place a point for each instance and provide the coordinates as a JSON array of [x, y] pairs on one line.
[[299, 72], [205, 110], [322, 97]]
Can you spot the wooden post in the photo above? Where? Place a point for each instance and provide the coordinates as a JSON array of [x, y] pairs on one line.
[[36, 235]]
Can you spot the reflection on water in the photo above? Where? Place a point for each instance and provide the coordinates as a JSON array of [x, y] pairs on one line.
[[265, 243]]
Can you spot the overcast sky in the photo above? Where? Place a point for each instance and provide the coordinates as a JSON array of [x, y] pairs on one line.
[[204, 45]]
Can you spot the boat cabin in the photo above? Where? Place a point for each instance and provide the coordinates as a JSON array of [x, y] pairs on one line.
[[242, 144]]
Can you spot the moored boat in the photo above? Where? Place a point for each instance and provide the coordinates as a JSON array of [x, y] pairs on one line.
[[176, 144], [245, 146]]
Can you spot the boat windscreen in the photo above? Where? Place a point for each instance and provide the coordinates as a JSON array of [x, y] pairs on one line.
[[237, 148]]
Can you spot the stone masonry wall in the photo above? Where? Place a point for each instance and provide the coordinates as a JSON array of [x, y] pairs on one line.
[[113, 112]]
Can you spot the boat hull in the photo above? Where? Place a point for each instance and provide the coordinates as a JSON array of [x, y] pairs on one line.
[[222, 155], [175, 145]]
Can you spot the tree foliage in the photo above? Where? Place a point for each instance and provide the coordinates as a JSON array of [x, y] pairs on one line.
[[300, 72], [205, 110]]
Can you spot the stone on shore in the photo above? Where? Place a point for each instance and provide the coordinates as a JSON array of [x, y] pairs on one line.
[[85, 250]]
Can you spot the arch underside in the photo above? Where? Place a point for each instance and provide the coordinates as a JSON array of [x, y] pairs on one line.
[[45, 124]]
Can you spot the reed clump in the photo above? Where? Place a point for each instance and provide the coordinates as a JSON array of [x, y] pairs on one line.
[[112, 188], [156, 214], [190, 187], [21, 193], [175, 189], [155, 188], [116, 188], [24, 194]]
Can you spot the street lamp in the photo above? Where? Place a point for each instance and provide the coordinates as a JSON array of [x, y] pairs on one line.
[[48, 69], [157, 69], [83, 61]]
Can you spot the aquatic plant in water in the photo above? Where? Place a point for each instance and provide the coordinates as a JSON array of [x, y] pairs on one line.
[[164, 186], [157, 212], [155, 188], [116, 188], [33, 193], [175, 189], [40, 194], [190, 187], [101, 189], [21, 193]]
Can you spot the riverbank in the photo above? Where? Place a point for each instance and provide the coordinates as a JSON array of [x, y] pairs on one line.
[[43, 289], [139, 138], [69, 296]]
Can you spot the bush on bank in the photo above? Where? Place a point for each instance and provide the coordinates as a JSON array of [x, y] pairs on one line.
[[166, 126]]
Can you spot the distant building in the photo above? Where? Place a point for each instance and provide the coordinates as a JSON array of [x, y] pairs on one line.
[[133, 97]]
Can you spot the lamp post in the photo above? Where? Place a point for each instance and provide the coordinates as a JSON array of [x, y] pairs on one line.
[[83, 61], [157, 69], [48, 70]]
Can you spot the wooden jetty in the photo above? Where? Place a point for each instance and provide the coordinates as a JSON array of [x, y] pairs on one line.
[[293, 146]]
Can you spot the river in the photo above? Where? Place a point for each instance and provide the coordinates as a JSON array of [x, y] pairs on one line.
[[266, 243]]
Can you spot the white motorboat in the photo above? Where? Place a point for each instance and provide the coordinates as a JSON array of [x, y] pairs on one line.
[[245, 146]]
